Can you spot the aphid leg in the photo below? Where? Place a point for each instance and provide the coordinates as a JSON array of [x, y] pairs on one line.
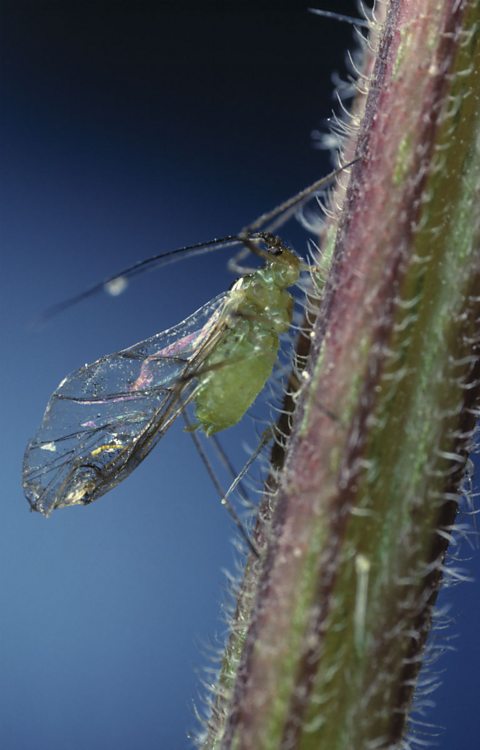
[[225, 460], [235, 266], [267, 436], [224, 497]]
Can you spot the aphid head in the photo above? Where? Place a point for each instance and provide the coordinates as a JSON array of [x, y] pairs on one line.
[[283, 264]]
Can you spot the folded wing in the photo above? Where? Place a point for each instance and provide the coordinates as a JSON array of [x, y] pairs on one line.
[[105, 417]]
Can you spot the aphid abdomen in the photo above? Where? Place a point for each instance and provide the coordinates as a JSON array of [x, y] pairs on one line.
[[235, 375]]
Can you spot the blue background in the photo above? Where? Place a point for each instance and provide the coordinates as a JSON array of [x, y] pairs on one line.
[[128, 128]]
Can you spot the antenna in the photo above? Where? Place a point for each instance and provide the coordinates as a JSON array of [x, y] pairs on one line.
[[285, 210], [254, 231]]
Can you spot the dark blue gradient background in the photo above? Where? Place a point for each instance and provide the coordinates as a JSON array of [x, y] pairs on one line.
[[128, 127]]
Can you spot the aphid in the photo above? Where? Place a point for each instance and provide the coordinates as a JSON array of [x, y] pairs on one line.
[[106, 417]]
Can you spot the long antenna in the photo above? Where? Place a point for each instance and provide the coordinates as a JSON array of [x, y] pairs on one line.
[[148, 264], [286, 209], [281, 213]]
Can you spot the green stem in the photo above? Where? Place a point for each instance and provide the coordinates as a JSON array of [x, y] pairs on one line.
[[331, 625]]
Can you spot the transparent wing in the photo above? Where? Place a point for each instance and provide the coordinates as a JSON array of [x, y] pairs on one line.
[[105, 417]]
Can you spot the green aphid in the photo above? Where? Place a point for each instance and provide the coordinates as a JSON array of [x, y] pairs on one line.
[[257, 310], [106, 417]]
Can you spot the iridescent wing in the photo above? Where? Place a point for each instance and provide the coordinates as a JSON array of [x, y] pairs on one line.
[[105, 417]]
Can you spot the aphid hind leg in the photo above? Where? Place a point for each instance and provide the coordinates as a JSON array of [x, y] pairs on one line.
[[225, 460], [224, 496], [266, 437]]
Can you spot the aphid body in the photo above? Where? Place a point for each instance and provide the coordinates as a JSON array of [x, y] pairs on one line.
[[106, 417], [257, 310]]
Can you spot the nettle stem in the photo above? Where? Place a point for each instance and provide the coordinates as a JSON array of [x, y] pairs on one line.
[[329, 633]]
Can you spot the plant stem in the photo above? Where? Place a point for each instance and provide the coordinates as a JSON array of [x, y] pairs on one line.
[[331, 624]]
